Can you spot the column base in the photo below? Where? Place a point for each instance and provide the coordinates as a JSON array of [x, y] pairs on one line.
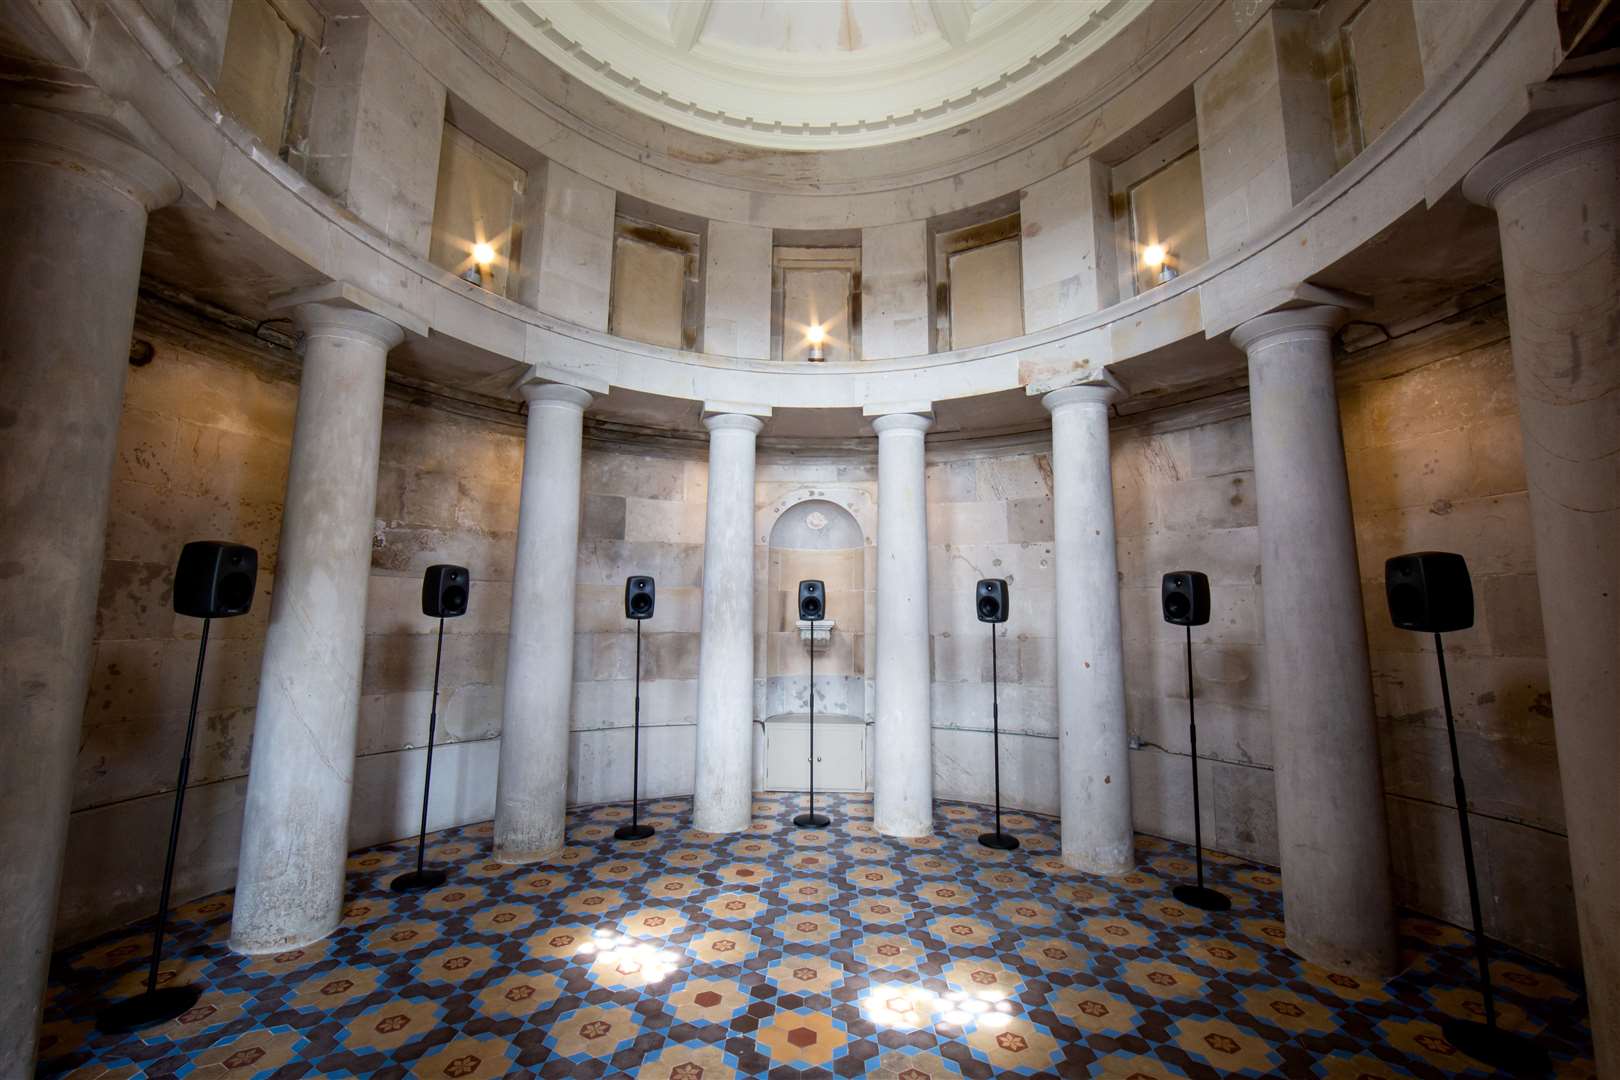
[[1377, 964], [1110, 865], [245, 947], [524, 858]]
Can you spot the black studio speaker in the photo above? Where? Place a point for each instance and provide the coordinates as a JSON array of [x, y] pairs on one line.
[[215, 579], [990, 600], [444, 591], [1429, 591], [812, 601], [639, 594], [1185, 596]]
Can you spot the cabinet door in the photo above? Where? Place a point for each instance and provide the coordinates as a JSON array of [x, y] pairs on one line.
[[840, 757]]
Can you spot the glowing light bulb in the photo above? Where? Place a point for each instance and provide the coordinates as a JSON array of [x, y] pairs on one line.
[[483, 253], [816, 334], [1153, 255]]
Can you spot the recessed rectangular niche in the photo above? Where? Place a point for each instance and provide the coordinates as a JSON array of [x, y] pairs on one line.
[[816, 286], [1166, 210], [655, 283], [982, 272], [256, 73], [478, 190], [1382, 45]]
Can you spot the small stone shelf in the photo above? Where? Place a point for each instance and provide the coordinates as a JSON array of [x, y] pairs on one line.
[[822, 634]]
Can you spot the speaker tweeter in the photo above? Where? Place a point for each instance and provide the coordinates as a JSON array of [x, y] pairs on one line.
[[991, 599], [640, 596], [812, 601], [215, 579], [445, 591]]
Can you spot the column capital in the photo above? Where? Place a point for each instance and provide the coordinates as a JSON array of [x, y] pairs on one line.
[[556, 396], [64, 141], [1315, 323], [1529, 153], [327, 319], [902, 421], [1101, 391], [733, 422]]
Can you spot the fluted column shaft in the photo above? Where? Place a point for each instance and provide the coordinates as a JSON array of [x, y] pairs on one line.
[[1330, 800], [1094, 776], [73, 206], [725, 742], [1557, 199], [295, 826], [532, 789], [903, 780]]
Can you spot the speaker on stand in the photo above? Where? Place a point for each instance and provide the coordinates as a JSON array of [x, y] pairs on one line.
[[812, 609], [639, 601], [990, 602], [214, 580], [1430, 592], [1184, 595], [445, 592]]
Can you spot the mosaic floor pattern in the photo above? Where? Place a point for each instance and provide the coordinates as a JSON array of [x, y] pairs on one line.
[[785, 953]]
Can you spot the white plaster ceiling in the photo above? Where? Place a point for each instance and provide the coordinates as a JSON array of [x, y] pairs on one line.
[[815, 74]]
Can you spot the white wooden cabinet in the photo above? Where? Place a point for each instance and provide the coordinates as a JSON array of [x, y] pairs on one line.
[[840, 753]]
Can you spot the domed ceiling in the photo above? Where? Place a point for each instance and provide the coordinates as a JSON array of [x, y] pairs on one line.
[[815, 74]]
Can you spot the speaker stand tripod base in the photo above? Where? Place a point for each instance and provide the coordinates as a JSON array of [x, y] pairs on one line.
[[419, 879], [635, 830], [155, 1004], [998, 840], [1197, 896], [148, 1008], [1508, 1052], [810, 819]]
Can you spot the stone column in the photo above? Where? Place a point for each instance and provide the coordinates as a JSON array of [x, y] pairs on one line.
[[1557, 197], [903, 772], [1094, 775], [531, 793], [725, 736], [295, 826], [73, 206], [1330, 797]]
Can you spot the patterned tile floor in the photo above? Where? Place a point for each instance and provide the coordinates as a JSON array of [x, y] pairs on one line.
[[784, 953]]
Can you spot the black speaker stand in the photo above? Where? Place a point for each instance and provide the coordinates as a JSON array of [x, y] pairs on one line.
[[998, 839], [635, 830], [810, 819], [156, 1005], [418, 879], [1197, 895], [1508, 1051]]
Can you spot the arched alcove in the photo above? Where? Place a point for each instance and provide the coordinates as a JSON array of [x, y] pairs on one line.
[[816, 538]]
